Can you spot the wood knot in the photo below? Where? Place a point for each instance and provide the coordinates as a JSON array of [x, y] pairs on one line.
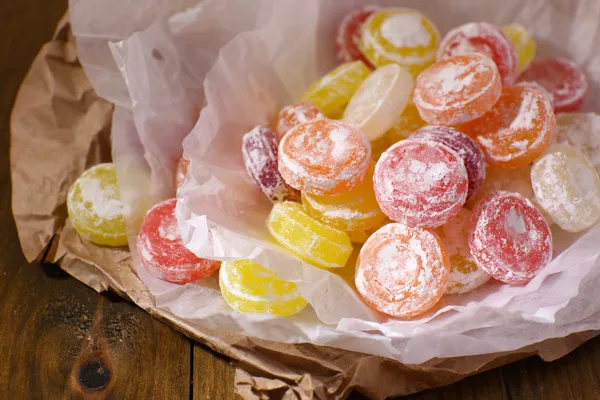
[[94, 374]]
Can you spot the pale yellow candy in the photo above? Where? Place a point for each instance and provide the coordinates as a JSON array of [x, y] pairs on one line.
[[250, 288], [523, 42], [567, 186], [410, 121], [581, 130]]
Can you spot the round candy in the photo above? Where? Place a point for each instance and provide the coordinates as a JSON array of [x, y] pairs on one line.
[[510, 239], [250, 288], [324, 157], [464, 146], [402, 271], [483, 38], [562, 78], [331, 93], [400, 36], [567, 186], [465, 274], [457, 90], [581, 130], [524, 44], [420, 184], [517, 130], [378, 103], [349, 34], [259, 150], [95, 207], [296, 114], [540, 88], [315, 242], [163, 252], [182, 167]]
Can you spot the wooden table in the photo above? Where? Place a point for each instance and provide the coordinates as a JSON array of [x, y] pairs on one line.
[[53, 329]]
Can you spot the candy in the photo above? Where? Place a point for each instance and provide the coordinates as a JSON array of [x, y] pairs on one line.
[[465, 274], [457, 90], [567, 186], [352, 211], [509, 239], [540, 88], [420, 184], [483, 38], [402, 271], [331, 93], [349, 34], [182, 167], [324, 157], [296, 114], [562, 78], [163, 252], [523, 42], [250, 288], [400, 36], [464, 146], [315, 242], [378, 103], [95, 207], [410, 121], [581, 130], [517, 130]]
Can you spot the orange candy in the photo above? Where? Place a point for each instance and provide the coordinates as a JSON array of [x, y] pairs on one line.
[[296, 114], [517, 130]]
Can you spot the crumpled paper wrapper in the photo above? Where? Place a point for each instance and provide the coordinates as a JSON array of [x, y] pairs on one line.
[[60, 126]]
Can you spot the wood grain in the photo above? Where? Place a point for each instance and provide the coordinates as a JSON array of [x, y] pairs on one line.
[[213, 375]]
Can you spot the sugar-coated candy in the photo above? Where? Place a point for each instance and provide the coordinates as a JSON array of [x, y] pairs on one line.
[[457, 90], [95, 207], [540, 88], [561, 77], [259, 150], [311, 240], [250, 288], [483, 38], [581, 130], [510, 238], [400, 36], [464, 146], [324, 157], [567, 186], [420, 183], [465, 274], [182, 167], [379, 101], [524, 44], [351, 211], [402, 271], [517, 130], [296, 114], [162, 251], [332, 92], [349, 34]]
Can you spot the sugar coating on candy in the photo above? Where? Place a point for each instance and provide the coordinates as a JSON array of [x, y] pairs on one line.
[[324, 157], [465, 274], [95, 207], [162, 251], [457, 90], [483, 38], [540, 88], [402, 271], [524, 44], [581, 130], [182, 167], [421, 184], [349, 33], [517, 130], [296, 114], [509, 239], [378, 103], [250, 288], [464, 146], [561, 77], [567, 186]]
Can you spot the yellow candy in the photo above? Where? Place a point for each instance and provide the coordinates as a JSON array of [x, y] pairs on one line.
[[400, 36], [250, 288], [95, 208], [308, 238], [524, 44], [410, 121], [332, 92], [360, 237]]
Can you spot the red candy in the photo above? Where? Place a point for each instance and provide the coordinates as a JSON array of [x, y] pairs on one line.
[[561, 78], [182, 167], [259, 149], [484, 38], [464, 146], [296, 114], [349, 33], [162, 251], [510, 238], [420, 183]]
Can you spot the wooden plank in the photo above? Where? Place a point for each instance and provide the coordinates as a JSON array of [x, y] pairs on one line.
[[212, 376]]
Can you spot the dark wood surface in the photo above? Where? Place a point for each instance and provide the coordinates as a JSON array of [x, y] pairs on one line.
[[60, 339]]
